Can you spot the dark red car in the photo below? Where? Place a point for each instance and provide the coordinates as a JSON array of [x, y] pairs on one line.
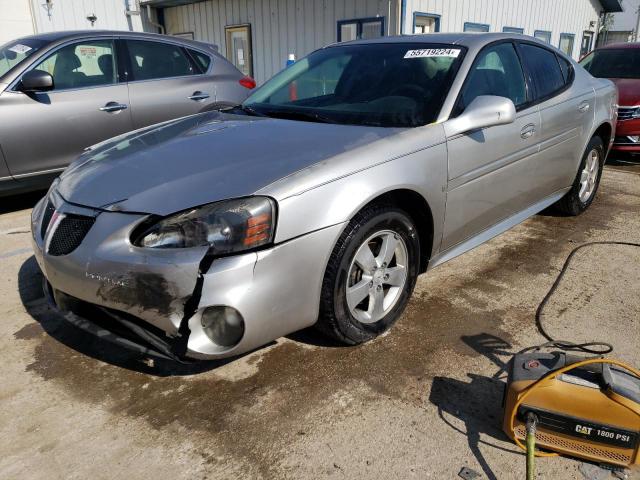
[[620, 62]]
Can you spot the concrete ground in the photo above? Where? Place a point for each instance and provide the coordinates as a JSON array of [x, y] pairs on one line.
[[421, 402]]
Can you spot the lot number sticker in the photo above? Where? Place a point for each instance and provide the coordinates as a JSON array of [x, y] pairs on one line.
[[433, 52], [19, 48]]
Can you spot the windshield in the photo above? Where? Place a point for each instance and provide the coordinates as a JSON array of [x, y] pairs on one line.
[[613, 63], [383, 84], [12, 53]]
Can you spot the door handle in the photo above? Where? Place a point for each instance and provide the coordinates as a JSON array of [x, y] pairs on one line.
[[584, 106], [197, 96], [527, 131], [113, 107]]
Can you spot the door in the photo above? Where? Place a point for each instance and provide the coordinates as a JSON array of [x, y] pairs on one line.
[[46, 131], [566, 112], [587, 41], [492, 172], [239, 48], [165, 82]]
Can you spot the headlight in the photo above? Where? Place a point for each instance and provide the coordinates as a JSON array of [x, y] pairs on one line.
[[228, 227]]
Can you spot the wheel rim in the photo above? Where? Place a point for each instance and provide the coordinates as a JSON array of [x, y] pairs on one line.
[[377, 276], [589, 176]]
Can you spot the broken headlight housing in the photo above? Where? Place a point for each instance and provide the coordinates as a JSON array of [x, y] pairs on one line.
[[228, 227]]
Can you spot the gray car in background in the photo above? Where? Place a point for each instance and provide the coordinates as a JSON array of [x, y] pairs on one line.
[[323, 196], [62, 92]]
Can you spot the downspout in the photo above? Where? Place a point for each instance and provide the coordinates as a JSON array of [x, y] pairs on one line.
[[403, 13], [152, 22], [34, 23]]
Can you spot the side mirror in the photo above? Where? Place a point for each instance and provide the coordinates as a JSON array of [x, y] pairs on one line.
[[36, 81], [484, 111]]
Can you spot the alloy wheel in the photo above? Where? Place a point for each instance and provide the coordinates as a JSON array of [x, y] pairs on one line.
[[377, 276]]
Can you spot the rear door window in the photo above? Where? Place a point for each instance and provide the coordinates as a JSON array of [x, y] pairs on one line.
[[544, 69], [154, 60], [567, 70], [201, 59]]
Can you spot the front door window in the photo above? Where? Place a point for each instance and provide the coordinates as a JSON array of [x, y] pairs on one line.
[[81, 65]]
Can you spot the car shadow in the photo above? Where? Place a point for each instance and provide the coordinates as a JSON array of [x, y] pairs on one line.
[[21, 201], [478, 401], [54, 324]]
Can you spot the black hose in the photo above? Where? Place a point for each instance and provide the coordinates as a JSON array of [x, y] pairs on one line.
[[563, 344]]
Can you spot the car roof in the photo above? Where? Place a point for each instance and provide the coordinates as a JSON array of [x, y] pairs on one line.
[[620, 45], [464, 39], [57, 37]]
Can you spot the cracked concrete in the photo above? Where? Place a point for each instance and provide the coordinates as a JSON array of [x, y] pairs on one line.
[[422, 401]]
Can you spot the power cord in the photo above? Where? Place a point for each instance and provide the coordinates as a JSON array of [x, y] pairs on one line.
[[602, 348]]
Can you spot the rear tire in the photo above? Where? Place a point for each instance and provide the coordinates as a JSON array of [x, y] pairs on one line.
[[370, 275], [585, 186]]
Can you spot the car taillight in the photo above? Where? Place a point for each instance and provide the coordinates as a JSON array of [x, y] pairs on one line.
[[247, 82]]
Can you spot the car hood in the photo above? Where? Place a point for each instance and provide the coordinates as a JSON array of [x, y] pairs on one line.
[[628, 91], [202, 159]]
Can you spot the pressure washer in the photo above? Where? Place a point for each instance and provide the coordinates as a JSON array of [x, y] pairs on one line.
[[561, 403]]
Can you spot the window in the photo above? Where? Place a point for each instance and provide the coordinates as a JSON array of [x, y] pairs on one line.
[[566, 43], [319, 80], [378, 84], [544, 69], [12, 53], [496, 71], [613, 63], [153, 60], [239, 47], [83, 64], [512, 30], [360, 28], [475, 27], [201, 59], [567, 70], [543, 35], [587, 40], [425, 23]]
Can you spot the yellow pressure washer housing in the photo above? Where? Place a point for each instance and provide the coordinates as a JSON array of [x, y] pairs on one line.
[[590, 409]]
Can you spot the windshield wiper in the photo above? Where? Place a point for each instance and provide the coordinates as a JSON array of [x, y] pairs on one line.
[[300, 115], [248, 110]]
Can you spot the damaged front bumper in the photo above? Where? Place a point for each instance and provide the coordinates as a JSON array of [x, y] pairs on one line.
[[152, 300]]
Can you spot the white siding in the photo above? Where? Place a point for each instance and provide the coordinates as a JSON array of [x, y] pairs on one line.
[[278, 27], [15, 20], [72, 15], [556, 16]]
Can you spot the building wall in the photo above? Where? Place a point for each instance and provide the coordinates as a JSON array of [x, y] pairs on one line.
[[626, 21], [15, 20], [278, 27], [72, 15], [557, 16]]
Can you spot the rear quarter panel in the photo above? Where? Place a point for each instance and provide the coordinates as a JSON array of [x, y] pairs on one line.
[[225, 76], [606, 109]]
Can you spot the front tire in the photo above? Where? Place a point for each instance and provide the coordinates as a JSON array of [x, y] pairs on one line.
[[370, 276], [584, 188]]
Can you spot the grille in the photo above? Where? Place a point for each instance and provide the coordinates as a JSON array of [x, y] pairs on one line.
[[46, 218], [567, 445], [628, 113], [70, 232]]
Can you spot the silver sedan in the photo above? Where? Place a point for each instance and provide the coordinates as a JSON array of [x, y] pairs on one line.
[[321, 198]]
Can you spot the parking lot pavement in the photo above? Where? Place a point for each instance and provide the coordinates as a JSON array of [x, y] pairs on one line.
[[421, 402]]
